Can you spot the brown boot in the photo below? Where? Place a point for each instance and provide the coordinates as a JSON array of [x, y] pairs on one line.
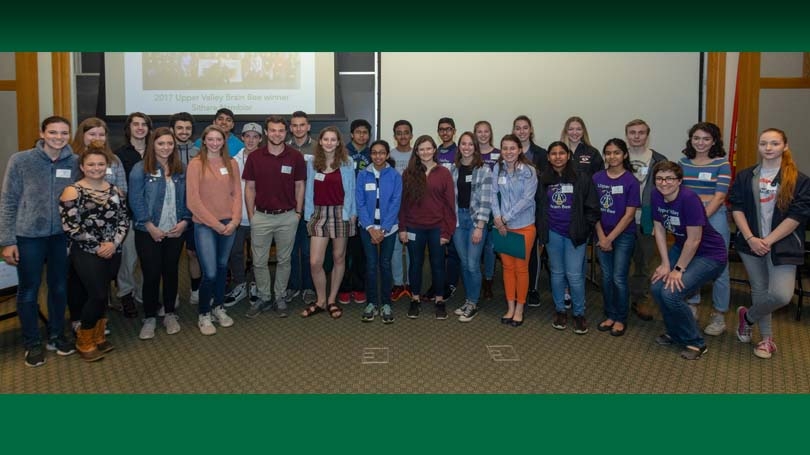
[[486, 288], [99, 338], [85, 345]]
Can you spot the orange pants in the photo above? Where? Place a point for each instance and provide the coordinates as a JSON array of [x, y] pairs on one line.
[[516, 271]]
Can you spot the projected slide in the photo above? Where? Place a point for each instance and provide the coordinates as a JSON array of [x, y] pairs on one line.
[[259, 83]]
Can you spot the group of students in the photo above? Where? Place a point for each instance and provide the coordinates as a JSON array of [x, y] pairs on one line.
[[76, 205]]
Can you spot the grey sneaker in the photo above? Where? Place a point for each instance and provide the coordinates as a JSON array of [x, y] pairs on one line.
[[171, 323], [61, 345], [469, 313], [369, 313], [257, 308], [309, 296], [238, 293], [194, 297], [148, 329], [460, 310], [220, 316], [205, 324], [387, 314], [253, 293], [281, 307], [717, 324], [291, 294], [161, 311]]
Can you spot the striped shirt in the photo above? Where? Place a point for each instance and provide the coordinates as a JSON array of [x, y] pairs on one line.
[[706, 179]]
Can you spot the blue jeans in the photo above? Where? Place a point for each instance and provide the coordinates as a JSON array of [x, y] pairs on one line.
[[680, 323], [721, 288], [35, 252], [469, 254], [615, 270], [213, 251], [416, 249], [396, 264], [300, 273], [566, 264], [378, 257]]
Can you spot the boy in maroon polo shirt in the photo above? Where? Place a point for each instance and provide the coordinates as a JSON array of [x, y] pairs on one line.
[[275, 177]]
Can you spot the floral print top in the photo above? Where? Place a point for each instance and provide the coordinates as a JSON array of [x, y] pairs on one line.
[[95, 217]]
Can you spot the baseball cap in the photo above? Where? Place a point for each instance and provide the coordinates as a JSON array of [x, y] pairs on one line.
[[255, 127]]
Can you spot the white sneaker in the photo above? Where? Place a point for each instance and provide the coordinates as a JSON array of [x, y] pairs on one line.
[[148, 329], [205, 324], [171, 323], [221, 317], [177, 303], [238, 293], [717, 325], [253, 293], [194, 298], [460, 310], [161, 311]]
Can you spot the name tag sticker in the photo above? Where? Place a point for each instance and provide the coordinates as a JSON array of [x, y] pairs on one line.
[[109, 171], [447, 165], [286, 169], [567, 188], [675, 221], [309, 157], [319, 177], [377, 214], [494, 156], [501, 180], [468, 179], [371, 186], [617, 189], [223, 170], [411, 236], [643, 170], [156, 174], [705, 176], [63, 173], [355, 164]]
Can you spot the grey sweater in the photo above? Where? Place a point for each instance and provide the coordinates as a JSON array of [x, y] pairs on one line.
[[29, 205]]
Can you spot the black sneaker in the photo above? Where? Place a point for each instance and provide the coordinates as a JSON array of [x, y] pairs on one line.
[[560, 321], [580, 326], [429, 295], [368, 313], [449, 292], [533, 299], [61, 345], [413, 309], [469, 313], [441, 311], [35, 356]]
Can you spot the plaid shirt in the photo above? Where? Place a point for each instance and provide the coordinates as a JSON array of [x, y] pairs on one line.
[[482, 194]]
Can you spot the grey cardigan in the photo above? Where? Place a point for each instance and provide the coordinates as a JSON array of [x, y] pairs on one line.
[[29, 205]]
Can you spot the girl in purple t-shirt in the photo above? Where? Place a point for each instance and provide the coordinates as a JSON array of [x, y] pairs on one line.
[[697, 257], [619, 196]]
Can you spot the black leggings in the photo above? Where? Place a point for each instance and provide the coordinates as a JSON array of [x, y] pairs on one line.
[[94, 274], [158, 260]]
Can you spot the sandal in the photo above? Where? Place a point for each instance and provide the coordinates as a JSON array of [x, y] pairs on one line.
[[602, 327], [693, 352], [334, 311], [311, 310]]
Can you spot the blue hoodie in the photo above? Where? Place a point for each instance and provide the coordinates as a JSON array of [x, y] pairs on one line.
[[390, 198]]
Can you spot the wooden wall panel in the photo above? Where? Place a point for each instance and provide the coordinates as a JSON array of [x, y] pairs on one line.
[[715, 88], [748, 117], [60, 65]]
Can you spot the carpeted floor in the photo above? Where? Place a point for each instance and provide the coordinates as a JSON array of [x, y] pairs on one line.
[[320, 355]]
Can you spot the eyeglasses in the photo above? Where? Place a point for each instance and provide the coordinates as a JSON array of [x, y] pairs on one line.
[[446, 130], [666, 179]]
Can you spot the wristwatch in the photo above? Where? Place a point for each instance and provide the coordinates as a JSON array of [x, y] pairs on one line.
[[679, 268]]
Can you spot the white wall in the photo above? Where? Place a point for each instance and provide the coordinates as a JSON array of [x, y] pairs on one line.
[[605, 89]]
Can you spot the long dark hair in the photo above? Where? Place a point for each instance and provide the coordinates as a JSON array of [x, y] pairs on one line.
[[717, 150], [414, 180], [150, 162], [568, 174], [621, 145]]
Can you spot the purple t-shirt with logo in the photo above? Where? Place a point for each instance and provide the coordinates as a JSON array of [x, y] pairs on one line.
[[447, 156], [491, 158], [687, 210], [560, 206], [615, 195]]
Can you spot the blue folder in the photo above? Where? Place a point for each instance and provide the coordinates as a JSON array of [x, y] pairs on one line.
[[512, 243]]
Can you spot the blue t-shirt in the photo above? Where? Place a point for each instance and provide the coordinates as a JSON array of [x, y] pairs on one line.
[[687, 210], [615, 195]]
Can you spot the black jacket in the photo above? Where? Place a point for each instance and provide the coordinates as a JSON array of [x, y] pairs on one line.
[[588, 159], [585, 209], [744, 197]]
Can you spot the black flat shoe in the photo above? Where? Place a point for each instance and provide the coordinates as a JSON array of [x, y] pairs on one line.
[[514, 323], [506, 320], [604, 328]]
